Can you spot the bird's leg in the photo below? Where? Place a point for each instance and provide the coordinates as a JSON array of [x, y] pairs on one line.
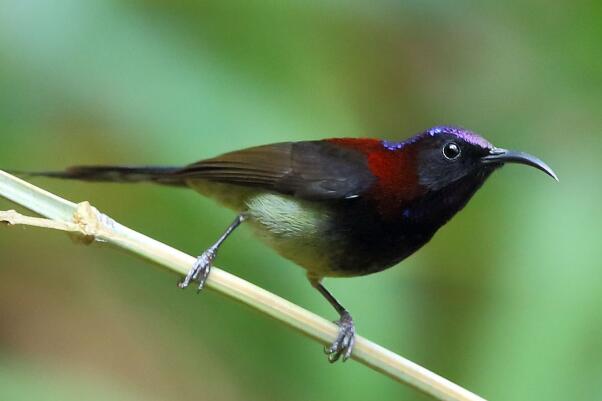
[[201, 268], [343, 345]]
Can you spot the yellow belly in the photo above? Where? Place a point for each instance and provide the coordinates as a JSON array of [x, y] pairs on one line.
[[292, 227]]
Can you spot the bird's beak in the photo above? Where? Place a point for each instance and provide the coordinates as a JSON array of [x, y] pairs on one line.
[[501, 156]]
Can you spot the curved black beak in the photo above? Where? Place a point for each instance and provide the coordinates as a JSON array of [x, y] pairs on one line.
[[501, 156]]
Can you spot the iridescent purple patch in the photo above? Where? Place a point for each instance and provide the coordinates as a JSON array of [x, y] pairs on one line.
[[462, 134], [467, 136], [393, 145]]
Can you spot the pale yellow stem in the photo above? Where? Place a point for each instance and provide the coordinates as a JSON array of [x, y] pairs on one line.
[[88, 222]]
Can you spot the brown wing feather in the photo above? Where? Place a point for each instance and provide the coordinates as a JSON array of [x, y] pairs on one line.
[[311, 170]]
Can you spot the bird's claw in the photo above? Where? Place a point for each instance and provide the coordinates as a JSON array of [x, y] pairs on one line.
[[343, 345], [200, 270]]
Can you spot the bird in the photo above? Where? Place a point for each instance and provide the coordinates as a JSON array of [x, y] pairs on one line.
[[340, 207]]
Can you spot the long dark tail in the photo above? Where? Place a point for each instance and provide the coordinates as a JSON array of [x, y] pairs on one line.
[[160, 175]]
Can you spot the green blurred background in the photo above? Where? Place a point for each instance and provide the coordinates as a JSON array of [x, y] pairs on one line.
[[504, 301]]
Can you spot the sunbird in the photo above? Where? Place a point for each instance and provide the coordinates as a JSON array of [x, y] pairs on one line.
[[339, 207]]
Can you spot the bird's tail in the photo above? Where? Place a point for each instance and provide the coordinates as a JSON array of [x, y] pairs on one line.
[[160, 175]]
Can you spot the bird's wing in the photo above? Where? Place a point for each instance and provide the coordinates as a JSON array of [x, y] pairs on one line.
[[315, 170]]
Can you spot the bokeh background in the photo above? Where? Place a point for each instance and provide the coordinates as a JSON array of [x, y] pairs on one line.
[[504, 301]]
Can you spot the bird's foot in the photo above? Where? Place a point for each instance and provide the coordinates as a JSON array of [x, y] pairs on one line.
[[343, 345], [200, 270]]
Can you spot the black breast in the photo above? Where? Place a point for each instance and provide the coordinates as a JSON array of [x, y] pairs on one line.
[[372, 243]]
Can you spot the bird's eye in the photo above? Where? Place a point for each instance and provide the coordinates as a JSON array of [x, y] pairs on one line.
[[451, 151]]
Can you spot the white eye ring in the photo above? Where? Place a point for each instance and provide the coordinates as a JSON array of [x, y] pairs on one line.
[[451, 151]]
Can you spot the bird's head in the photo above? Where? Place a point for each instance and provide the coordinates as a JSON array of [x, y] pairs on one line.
[[432, 174], [446, 155]]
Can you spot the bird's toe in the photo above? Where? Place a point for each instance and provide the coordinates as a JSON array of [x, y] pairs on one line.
[[343, 345]]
